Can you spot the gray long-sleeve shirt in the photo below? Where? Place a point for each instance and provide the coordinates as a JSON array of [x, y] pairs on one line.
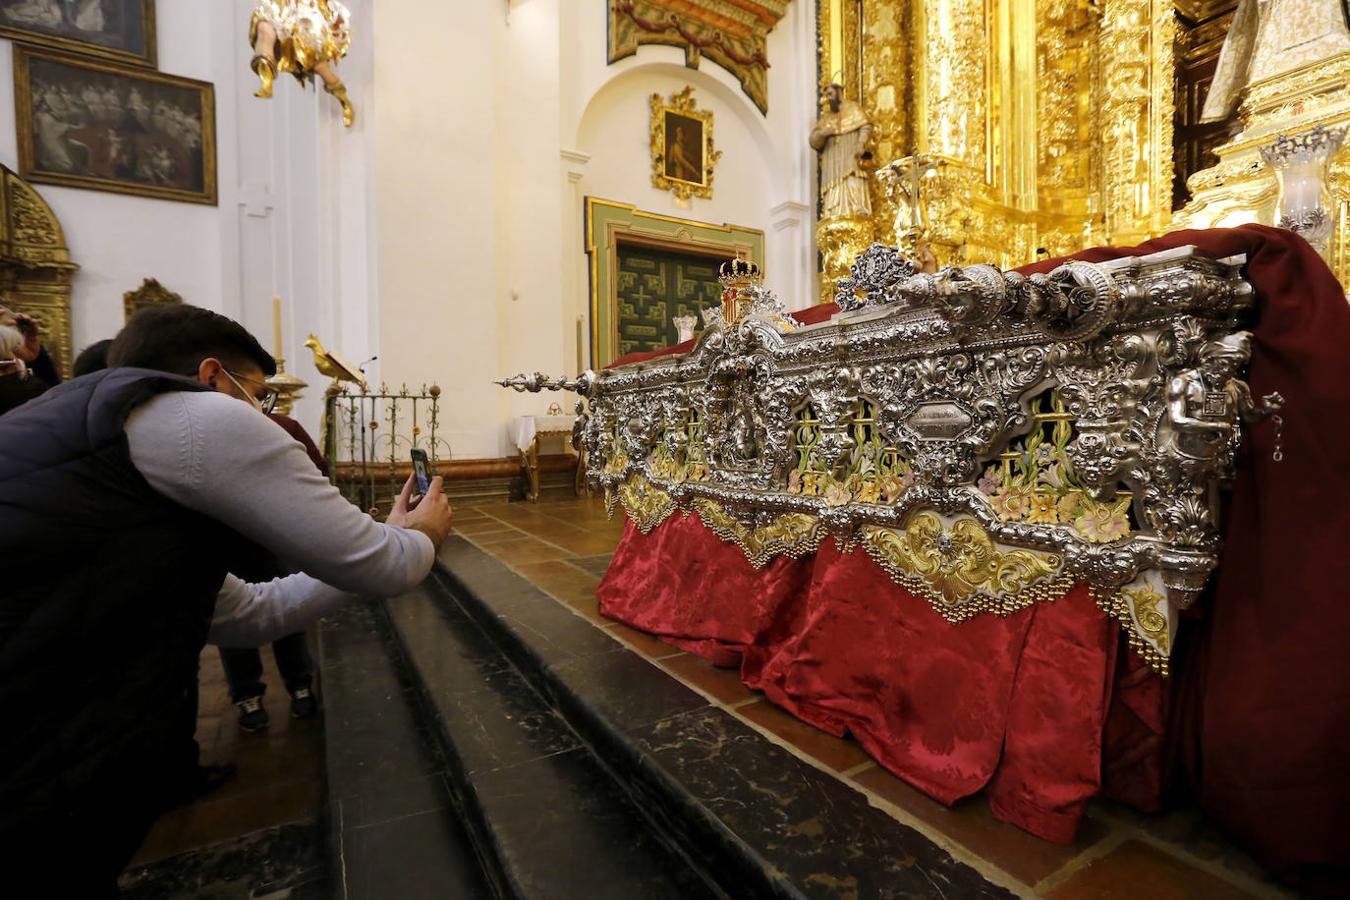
[[221, 457]]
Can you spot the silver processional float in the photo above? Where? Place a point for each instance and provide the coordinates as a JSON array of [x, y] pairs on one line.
[[989, 439]]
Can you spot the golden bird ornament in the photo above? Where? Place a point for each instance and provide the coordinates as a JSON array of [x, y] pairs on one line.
[[334, 366]]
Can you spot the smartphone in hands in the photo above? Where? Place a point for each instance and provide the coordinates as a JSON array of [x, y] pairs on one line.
[[422, 471]]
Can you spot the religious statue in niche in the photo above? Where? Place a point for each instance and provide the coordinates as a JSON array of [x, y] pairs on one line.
[[682, 146], [840, 136], [305, 38], [1271, 37]]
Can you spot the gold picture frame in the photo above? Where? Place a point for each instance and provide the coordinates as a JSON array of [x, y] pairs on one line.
[[683, 156], [102, 126], [102, 37]]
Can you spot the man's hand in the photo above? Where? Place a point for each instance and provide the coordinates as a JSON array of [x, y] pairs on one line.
[[429, 514]]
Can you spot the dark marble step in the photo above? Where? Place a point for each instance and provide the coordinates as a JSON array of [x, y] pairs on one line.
[[762, 821], [546, 813], [394, 830]]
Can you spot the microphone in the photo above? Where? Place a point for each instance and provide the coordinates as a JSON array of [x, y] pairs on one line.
[[362, 368]]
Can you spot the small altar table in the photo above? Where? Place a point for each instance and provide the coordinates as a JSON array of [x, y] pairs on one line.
[[525, 432]]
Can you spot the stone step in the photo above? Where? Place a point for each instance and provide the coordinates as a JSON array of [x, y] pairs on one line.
[[393, 828], [760, 821], [548, 818]]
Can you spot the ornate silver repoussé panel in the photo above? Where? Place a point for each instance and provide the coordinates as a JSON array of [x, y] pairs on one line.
[[991, 440]]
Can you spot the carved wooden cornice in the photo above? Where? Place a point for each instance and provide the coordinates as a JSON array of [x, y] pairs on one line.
[[732, 33]]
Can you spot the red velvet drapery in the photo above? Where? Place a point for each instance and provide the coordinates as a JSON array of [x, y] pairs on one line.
[[1042, 708]]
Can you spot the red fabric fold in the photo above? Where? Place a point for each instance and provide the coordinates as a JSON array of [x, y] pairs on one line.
[[926, 699], [1052, 751]]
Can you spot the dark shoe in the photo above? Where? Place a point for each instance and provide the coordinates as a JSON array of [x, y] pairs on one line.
[[303, 704], [252, 716]]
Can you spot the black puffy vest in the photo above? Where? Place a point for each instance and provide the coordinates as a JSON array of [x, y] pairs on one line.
[[105, 603]]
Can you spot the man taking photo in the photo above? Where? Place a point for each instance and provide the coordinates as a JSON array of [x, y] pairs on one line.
[[124, 497]]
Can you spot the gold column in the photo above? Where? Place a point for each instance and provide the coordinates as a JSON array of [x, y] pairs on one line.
[[1069, 164], [1137, 107]]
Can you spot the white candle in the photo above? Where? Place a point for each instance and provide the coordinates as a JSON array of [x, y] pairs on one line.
[[276, 325]]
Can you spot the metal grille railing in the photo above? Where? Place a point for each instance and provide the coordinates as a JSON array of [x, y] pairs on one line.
[[368, 438]]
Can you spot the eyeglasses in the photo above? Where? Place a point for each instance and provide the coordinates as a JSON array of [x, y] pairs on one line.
[[264, 403]]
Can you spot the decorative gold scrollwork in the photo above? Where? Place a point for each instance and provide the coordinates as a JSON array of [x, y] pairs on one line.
[[646, 504], [960, 570], [791, 534], [1152, 622]]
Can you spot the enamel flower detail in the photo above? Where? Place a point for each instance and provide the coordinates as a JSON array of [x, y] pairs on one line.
[[1101, 523], [837, 494], [1042, 509], [1011, 504]]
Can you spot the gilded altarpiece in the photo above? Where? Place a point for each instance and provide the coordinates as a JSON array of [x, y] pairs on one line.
[[35, 266], [1044, 125]]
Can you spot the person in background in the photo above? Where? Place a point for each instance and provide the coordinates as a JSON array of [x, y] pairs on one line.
[[243, 665], [18, 384], [33, 353], [93, 358], [127, 494]]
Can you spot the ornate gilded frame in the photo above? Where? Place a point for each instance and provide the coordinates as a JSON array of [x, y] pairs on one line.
[[35, 266], [609, 224], [23, 108], [151, 293], [149, 59], [683, 105]]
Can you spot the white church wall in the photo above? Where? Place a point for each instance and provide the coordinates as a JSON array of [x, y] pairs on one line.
[[482, 153], [531, 332], [439, 208]]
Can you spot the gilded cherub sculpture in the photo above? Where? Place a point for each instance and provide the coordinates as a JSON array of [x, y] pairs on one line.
[[305, 38]]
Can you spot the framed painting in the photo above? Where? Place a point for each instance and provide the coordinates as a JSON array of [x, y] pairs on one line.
[[682, 146], [97, 125], [120, 30]]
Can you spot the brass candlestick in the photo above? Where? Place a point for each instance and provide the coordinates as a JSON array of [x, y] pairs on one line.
[[288, 387]]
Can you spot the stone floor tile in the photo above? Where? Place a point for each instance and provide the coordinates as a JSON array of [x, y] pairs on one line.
[[213, 821], [649, 646], [1135, 870], [722, 684], [837, 753], [970, 823], [596, 565], [481, 527], [525, 550], [492, 538]]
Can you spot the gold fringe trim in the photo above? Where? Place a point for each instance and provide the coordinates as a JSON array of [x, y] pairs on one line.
[[961, 572], [1116, 604], [791, 534]]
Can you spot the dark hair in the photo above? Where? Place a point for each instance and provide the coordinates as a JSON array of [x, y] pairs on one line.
[[93, 358], [177, 338]]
